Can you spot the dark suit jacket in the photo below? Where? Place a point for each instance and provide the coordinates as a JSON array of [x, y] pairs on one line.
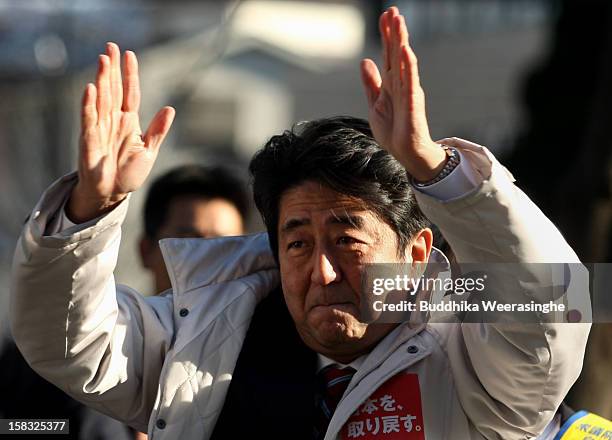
[[273, 387]]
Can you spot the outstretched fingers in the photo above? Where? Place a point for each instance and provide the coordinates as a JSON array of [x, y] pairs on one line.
[[395, 46], [158, 128], [89, 113], [131, 83], [385, 37], [371, 79], [399, 37], [89, 122], [410, 74], [394, 36], [103, 86], [114, 54]]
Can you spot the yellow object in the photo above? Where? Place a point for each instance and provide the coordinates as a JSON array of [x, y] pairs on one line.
[[585, 426]]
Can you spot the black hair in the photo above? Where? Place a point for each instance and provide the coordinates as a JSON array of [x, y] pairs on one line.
[[340, 153], [191, 180]]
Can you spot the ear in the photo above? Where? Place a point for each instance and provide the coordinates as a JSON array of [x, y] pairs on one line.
[[146, 246], [420, 248]]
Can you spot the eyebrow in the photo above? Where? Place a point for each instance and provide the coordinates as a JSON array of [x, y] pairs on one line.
[[355, 221], [294, 223]]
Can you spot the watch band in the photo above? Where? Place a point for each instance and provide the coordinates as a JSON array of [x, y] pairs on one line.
[[452, 161]]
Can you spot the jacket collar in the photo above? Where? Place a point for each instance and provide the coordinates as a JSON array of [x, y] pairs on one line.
[[196, 262]]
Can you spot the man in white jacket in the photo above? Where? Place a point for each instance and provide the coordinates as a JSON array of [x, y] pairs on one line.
[[228, 354]]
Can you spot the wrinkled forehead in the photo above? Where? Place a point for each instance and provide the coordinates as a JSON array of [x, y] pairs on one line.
[[312, 201]]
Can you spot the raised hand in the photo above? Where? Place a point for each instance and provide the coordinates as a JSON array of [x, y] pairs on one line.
[[115, 157], [396, 102]]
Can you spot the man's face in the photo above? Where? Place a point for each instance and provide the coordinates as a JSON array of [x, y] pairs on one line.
[[187, 217], [325, 238], [193, 216]]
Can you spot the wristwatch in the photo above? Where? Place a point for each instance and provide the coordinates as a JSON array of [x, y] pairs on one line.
[[452, 161]]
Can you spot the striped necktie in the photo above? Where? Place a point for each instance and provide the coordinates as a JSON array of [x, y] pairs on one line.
[[332, 382]]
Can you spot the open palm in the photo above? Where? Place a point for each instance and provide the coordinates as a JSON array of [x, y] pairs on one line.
[[115, 157], [396, 101]]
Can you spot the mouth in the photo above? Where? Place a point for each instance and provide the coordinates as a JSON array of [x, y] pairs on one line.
[[340, 306]]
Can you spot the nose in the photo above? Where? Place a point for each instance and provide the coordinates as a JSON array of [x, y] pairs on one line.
[[325, 271]]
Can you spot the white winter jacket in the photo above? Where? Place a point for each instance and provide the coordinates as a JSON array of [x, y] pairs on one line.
[[163, 364]]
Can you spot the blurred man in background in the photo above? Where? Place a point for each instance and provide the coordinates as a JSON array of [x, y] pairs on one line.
[[190, 201]]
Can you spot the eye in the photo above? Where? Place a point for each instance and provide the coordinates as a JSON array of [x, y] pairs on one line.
[[295, 244], [346, 240]]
